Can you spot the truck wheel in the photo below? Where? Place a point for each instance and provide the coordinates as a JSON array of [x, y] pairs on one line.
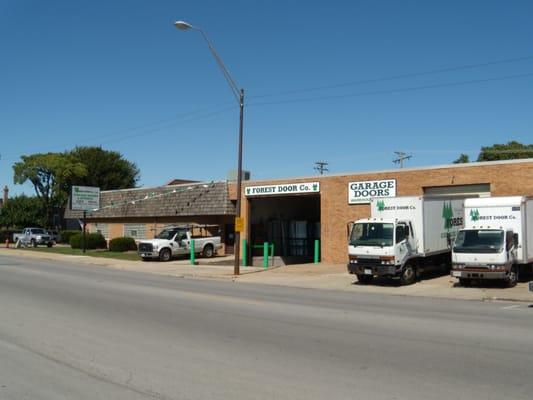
[[33, 243], [465, 282], [408, 276], [49, 244], [208, 251], [365, 279], [165, 255], [512, 278]]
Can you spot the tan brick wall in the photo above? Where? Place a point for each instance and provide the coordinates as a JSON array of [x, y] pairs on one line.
[[504, 178]]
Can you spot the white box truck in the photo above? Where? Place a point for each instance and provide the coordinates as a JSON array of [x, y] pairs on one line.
[[404, 237], [496, 241]]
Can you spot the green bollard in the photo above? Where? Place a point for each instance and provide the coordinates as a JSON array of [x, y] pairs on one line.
[[265, 255], [244, 253], [317, 251], [193, 255]]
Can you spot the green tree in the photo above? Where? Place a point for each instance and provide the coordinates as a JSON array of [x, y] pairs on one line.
[[106, 169], [510, 151], [22, 211], [50, 175], [463, 158]]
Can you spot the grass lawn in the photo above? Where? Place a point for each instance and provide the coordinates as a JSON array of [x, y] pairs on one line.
[[129, 255]]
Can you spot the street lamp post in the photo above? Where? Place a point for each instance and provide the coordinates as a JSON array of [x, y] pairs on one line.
[[239, 96]]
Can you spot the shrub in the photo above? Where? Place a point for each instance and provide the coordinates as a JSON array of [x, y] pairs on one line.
[[67, 234], [122, 244], [93, 241]]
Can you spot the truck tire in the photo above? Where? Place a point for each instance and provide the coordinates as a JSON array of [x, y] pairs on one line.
[[408, 276], [49, 244], [512, 279], [33, 243], [364, 279], [465, 282], [208, 251], [165, 255]]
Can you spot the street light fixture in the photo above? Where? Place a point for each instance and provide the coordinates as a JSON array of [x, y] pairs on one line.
[[239, 96]]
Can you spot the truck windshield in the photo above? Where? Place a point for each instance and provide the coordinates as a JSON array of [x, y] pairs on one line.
[[167, 234], [479, 241], [372, 234]]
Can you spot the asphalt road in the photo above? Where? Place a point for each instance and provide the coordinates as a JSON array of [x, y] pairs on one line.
[[84, 332]]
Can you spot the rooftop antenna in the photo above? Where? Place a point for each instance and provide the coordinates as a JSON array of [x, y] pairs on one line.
[[321, 167], [402, 156]]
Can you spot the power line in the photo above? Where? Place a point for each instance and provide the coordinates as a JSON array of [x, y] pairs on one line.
[[178, 120], [399, 90], [395, 77]]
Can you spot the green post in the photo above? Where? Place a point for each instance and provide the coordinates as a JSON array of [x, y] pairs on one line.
[[317, 251], [193, 255], [265, 255], [244, 253]]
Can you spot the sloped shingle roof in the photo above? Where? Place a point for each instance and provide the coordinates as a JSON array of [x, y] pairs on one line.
[[164, 201]]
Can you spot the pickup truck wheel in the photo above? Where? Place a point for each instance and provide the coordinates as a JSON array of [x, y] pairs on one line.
[[408, 276], [365, 279], [208, 251], [33, 243], [165, 255], [49, 244]]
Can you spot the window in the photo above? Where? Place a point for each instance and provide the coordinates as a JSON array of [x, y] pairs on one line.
[[136, 231], [102, 229]]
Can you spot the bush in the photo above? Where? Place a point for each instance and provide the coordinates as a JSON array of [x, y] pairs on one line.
[[93, 241], [66, 235], [122, 244]]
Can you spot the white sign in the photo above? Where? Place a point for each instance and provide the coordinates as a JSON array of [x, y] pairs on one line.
[[85, 198], [362, 192], [283, 188]]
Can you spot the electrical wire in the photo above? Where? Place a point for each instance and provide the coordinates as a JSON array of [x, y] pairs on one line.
[[396, 77], [390, 91]]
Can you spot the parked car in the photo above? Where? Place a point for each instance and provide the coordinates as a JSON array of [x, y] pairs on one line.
[[34, 237], [176, 241]]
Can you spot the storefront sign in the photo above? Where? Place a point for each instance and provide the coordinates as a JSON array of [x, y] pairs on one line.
[[362, 192], [85, 198], [284, 188]]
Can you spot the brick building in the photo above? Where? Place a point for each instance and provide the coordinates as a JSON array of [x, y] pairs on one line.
[[142, 213], [293, 213]]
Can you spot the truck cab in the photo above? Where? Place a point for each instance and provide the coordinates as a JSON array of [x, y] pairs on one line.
[[496, 241], [485, 254], [381, 248]]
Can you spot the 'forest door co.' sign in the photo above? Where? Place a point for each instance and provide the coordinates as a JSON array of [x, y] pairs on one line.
[[283, 188], [362, 192]]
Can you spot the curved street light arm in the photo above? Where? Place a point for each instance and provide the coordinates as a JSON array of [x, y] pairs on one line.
[[233, 86]]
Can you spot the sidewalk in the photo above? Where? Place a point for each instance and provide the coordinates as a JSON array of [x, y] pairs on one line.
[[312, 276]]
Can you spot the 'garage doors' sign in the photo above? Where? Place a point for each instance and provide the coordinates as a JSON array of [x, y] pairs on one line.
[[283, 188], [362, 192]]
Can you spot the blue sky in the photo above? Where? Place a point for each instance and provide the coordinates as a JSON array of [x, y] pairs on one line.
[[316, 76]]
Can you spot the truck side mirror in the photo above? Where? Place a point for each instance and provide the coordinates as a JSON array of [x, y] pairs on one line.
[[515, 240], [406, 230]]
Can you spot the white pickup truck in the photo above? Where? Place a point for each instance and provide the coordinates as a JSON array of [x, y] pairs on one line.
[[34, 237], [176, 241]]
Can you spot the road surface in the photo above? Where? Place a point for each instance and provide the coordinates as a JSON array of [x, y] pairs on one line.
[[84, 332]]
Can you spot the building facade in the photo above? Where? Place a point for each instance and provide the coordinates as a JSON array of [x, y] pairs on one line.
[[294, 213]]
